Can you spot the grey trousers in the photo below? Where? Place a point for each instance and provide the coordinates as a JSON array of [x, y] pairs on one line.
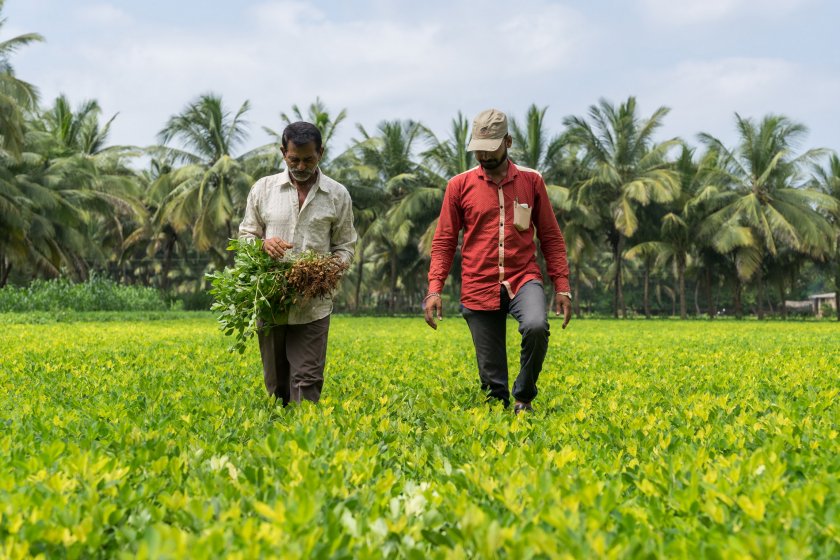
[[488, 333], [293, 358]]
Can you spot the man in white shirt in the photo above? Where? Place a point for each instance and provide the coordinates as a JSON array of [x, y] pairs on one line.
[[296, 210]]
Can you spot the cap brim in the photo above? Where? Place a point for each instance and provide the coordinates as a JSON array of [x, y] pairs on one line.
[[484, 144]]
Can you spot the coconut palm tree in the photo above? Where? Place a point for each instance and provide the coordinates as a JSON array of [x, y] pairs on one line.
[[17, 97], [532, 146], [408, 192], [72, 194], [677, 239], [95, 174], [827, 180], [766, 193], [565, 172], [208, 191], [628, 170], [41, 216]]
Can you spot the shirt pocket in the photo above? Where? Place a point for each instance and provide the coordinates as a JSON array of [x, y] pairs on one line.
[[521, 216], [316, 231]]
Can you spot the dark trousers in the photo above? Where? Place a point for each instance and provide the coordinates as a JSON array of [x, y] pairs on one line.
[[488, 333], [293, 358]]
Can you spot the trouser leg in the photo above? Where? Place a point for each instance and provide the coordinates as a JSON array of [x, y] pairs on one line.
[[488, 334], [528, 307], [276, 368], [306, 351]]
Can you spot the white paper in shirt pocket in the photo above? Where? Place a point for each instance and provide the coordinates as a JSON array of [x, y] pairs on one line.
[[521, 216]]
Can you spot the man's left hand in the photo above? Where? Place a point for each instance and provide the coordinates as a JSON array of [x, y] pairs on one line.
[[562, 304]]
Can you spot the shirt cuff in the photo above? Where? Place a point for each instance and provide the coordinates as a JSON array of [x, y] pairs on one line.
[[562, 285], [435, 286]]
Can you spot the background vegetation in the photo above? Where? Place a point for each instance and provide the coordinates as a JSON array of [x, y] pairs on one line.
[[653, 227]]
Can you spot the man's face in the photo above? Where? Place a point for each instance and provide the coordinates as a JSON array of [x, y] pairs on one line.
[[490, 161], [302, 161]]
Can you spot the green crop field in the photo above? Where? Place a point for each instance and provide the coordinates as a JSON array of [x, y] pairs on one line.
[[658, 439]]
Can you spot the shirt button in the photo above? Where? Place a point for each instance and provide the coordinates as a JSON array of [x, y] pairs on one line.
[[500, 244]]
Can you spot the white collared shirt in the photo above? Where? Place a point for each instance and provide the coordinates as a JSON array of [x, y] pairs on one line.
[[323, 224]]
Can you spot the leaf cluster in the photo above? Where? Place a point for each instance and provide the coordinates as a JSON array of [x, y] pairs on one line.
[[133, 439], [258, 291]]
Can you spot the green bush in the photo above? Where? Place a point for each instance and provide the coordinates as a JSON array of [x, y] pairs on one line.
[[194, 301], [97, 294]]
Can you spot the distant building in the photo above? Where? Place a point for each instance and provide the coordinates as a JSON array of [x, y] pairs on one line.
[[818, 301], [816, 304]]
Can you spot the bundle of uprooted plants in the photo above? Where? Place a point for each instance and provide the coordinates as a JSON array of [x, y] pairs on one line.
[[259, 290]]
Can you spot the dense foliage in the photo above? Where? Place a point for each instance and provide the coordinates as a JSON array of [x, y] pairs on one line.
[[652, 439], [96, 294], [258, 291]]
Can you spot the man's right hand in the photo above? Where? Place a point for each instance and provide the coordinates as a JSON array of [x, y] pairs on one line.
[[434, 309], [276, 247]]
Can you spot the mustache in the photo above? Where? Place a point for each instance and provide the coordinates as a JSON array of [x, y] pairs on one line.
[[491, 164]]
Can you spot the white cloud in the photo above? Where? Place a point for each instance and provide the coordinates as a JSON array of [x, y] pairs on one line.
[[705, 94], [290, 52], [692, 12], [426, 61], [105, 15]]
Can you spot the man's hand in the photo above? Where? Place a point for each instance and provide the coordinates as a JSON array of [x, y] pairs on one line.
[[434, 309], [276, 247], [562, 304]]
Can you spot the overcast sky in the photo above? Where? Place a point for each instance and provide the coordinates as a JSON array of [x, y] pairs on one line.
[[705, 59]]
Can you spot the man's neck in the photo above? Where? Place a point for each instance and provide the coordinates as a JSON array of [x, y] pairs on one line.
[[304, 186], [498, 175]]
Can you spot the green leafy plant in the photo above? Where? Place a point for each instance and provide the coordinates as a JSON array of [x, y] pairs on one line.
[[259, 290], [649, 439]]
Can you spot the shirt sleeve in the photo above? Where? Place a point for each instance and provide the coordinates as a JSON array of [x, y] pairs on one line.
[[343, 234], [445, 241], [252, 225], [551, 239]]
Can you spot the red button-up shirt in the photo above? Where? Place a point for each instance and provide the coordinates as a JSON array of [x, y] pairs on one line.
[[494, 252]]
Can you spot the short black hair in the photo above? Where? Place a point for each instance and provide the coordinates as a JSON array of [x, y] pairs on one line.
[[301, 133]]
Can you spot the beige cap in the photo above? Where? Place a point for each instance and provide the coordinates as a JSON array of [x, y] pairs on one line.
[[489, 129]]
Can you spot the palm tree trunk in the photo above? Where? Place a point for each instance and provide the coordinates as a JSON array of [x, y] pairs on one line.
[[576, 294], [392, 303], [696, 298], [782, 298], [739, 310], [5, 270], [360, 269], [674, 293], [81, 268], [647, 291], [658, 292], [167, 263], [710, 302], [759, 303], [681, 281], [618, 298]]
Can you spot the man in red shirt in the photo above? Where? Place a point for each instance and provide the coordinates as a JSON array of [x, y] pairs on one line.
[[500, 205]]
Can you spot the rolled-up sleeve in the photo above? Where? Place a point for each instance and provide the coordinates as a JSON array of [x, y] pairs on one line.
[[343, 234], [252, 225]]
